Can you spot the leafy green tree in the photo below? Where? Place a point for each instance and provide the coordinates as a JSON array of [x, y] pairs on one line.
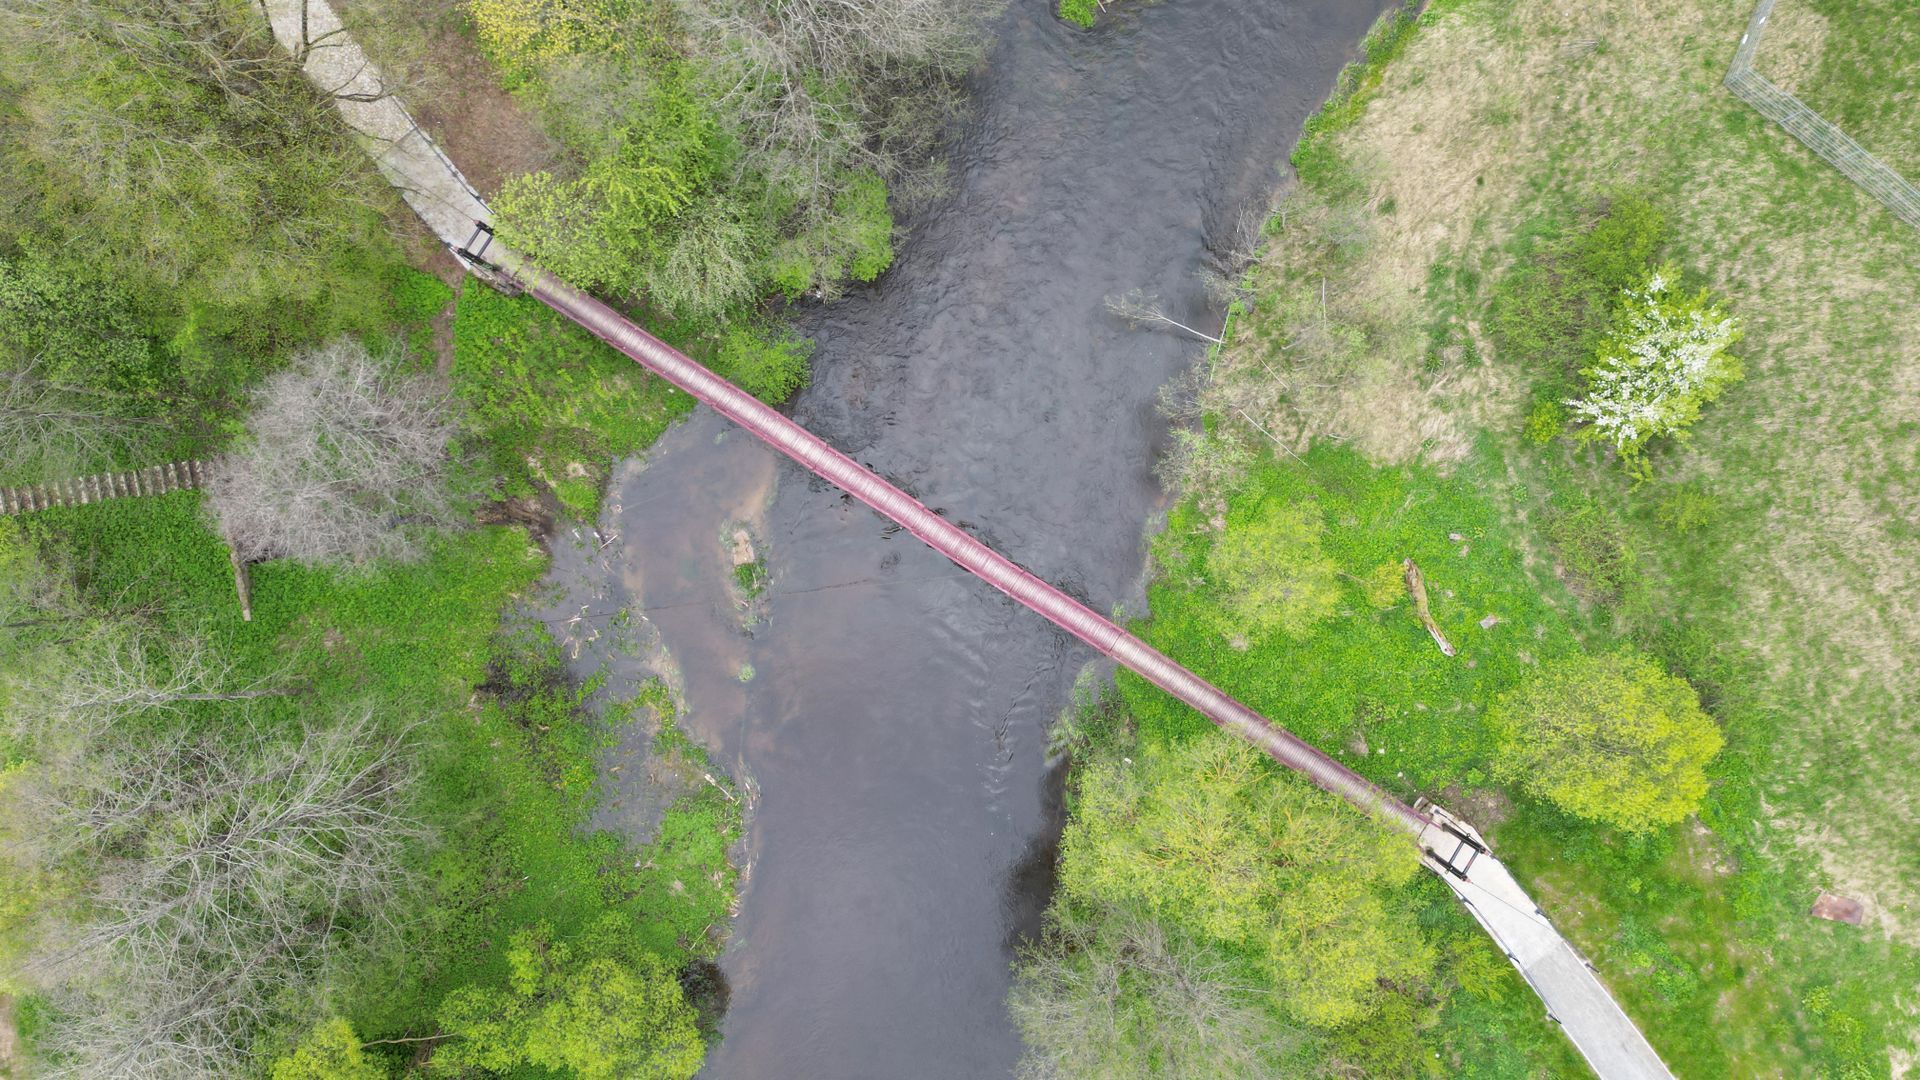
[[1666, 357], [599, 1008], [1271, 572], [330, 1052], [1611, 738], [1209, 839]]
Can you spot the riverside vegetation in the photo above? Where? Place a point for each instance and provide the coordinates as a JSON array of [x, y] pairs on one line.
[[349, 838], [1683, 650]]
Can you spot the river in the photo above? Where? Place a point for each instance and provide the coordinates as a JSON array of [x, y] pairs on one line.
[[887, 711]]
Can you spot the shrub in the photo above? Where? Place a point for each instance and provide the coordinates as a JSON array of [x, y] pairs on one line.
[[1545, 422], [519, 33], [330, 1052], [709, 267], [1593, 545], [1213, 843], [767, 362], [1080, 13], [1665, 358], [816, 88], [1685, 508], [599, 1008], [1610, 738], [1554, 309], [1271, 572], [1110, 995]]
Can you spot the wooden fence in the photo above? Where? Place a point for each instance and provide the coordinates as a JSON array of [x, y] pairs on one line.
[[79, 491]]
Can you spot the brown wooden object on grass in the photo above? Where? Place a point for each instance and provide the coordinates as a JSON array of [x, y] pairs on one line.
[[1839, 909], [1417, 588]]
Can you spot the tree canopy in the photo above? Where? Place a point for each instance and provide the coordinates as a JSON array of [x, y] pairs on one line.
[[1612, 738], [1211, 840], [600, 1008]]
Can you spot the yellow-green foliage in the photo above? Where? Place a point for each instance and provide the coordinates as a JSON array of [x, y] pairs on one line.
[[1210, 837], [1385, 585], [523, 32], [598, 1009], [1271, 573], [1611, 738], [330, 1052]]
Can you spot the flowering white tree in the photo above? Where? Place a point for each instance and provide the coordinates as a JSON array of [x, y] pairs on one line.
[[1666, 357]]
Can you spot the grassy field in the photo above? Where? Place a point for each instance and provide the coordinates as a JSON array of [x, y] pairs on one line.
[[1770, 559], [1857, 63]]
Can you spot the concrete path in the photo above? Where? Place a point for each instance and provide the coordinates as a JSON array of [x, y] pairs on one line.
[[1573, 994], [430, 182], [436, 190]]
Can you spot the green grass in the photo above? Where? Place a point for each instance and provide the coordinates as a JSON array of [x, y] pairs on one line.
[[1866, 78], [1690, 929], [550, 403]]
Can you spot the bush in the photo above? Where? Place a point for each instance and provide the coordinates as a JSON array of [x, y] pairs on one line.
[[1665, 358], [598, 1009], [1211, 841], [1110, 995], [330, 1052], [767, 362], [1610, 738], [1271, 572], [1553, 310], [520, 33], [1080, 13]]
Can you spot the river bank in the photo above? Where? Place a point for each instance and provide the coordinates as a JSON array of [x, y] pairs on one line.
[[1377, 381]]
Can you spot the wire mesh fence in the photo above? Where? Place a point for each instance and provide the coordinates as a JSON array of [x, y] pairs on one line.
[[1816, 132]]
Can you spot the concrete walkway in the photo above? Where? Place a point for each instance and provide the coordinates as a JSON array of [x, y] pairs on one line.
[[1573, 994], [436, 190], [430, 182]]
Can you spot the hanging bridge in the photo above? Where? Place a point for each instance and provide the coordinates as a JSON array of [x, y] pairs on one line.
[[434, 187]]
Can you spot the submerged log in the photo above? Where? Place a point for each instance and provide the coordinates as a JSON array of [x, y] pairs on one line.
[[1417, 588]]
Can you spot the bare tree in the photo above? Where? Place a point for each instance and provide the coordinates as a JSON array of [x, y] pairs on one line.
[[213, 881], [1078, 994], [817, 86], [47, 426], [341, 457], [105, 671], [1143, 309]]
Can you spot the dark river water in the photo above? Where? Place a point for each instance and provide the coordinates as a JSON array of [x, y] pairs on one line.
[[887, 712]]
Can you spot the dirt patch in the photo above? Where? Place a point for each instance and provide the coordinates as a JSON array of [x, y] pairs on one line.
[[1483, 808], [486, 132], [452, 90], [9, 1040]]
